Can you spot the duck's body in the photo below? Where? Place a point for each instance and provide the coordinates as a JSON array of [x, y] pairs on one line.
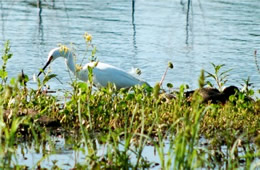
[[102, 73], [213, 95]]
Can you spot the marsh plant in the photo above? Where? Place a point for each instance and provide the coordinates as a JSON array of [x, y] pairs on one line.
[[123, 122], [220, 77]]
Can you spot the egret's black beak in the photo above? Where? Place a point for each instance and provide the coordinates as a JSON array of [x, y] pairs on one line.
[[46, 65]]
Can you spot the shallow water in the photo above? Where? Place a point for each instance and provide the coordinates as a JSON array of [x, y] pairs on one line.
[[146, 36], [63, 155]]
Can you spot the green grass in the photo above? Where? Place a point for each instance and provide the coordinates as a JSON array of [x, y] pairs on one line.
[[130, 119]]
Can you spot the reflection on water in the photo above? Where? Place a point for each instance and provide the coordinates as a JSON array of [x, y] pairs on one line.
[[40, 28], [134, 27], [142, 34], [65, 155]]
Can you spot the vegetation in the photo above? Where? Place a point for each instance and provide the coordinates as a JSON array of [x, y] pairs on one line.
[[128, 120]]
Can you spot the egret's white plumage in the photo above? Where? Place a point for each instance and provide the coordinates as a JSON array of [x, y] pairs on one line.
[[102, 73]]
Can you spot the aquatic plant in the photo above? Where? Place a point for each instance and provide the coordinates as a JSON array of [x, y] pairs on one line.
[[219, 77], [5, 57]]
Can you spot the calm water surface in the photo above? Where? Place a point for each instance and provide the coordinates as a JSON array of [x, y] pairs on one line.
[[146, 36], [65, 157]]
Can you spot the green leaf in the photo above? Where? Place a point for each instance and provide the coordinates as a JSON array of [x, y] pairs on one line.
[[83, 86], [209, 83], [156, 90], [3, 74], [169, 85], [210, 75], [94, 51], [202, 79], [26, 78], [170, 65], [13, 81], [138, 71], [47, 78]]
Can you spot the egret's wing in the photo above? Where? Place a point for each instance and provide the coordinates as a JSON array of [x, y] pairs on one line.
[[105, 73]]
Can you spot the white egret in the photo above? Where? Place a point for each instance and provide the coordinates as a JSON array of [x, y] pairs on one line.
[[102, 73]]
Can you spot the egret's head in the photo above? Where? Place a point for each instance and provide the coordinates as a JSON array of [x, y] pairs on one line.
[[53, 54]]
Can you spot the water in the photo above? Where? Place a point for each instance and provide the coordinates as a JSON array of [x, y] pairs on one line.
[[63, 155], [146, 36]]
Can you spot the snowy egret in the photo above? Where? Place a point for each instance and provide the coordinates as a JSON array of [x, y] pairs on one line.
[[102, 73]]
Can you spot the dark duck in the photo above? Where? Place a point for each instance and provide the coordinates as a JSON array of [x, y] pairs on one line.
[[213, 95]]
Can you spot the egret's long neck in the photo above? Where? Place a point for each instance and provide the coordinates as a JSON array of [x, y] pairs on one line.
[[70, 62]]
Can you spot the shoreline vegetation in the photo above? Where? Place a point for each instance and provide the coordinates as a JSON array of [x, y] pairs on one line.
[[131, 119]]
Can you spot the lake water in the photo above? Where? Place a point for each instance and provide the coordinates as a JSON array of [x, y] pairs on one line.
[[64, 156], [145, 35]]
